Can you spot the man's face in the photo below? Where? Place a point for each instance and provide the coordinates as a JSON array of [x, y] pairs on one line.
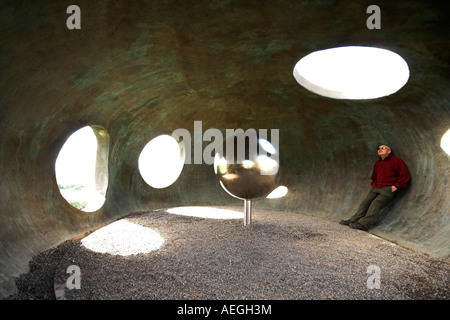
[[383, 150]]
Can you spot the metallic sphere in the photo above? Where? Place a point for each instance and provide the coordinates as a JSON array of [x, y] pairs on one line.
[[249, 168]]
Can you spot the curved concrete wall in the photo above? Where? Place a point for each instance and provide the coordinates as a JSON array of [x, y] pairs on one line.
[[140, 70]]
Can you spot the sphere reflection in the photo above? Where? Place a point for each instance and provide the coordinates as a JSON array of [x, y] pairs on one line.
[[250, 167]]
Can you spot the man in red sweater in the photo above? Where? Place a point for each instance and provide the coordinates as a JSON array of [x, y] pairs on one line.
[[390, 175]]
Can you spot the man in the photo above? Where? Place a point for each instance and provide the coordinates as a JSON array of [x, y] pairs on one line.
[[390, 176]]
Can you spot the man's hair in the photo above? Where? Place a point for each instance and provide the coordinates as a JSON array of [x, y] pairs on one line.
[[388, 147]]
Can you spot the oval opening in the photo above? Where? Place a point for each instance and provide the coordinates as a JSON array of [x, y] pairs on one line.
[[352, 72], [81, 168], [161, 161], [445, 142], [278, 192]]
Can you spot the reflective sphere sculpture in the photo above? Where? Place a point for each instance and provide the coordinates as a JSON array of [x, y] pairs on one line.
[[249, 167]]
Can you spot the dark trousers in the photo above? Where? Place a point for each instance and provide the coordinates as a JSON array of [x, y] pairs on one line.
[[371, 206]]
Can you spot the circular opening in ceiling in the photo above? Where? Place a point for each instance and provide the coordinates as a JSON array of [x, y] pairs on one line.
[[81, 168], [161, 161], [352, 72]]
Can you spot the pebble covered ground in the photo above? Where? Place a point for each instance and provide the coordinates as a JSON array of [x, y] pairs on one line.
[[279, 256]]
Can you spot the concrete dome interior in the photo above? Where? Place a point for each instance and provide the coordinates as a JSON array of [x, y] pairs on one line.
[[141, 69]]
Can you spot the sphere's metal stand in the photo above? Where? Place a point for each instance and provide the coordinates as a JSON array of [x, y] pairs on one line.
[[246, 173], [247, 211]]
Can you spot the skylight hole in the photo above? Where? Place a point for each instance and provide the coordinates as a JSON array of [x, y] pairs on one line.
[[352, 72]]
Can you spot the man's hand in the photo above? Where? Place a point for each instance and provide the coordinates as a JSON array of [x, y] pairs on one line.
[[394, 188]]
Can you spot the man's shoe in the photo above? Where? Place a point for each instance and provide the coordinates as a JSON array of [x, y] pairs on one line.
[[359, 226], [346, 222]]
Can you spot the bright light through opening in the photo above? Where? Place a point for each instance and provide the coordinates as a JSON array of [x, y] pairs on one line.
[[206, 212], [82, 175], [279, 192], [352, 72], [123, 238], [445, 142], [161, 161], [267, 146]]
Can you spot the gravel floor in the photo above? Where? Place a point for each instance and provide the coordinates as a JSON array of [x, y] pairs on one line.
[[281, 255]]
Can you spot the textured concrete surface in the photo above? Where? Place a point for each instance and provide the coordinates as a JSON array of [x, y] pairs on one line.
[[140, 69]]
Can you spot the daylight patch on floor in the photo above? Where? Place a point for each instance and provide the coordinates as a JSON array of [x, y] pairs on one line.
[[123, 238]]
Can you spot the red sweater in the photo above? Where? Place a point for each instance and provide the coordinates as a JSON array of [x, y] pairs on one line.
[[391, 171]]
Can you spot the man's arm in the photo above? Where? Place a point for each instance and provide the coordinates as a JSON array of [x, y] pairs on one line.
[[373, 177], [403, 176]]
